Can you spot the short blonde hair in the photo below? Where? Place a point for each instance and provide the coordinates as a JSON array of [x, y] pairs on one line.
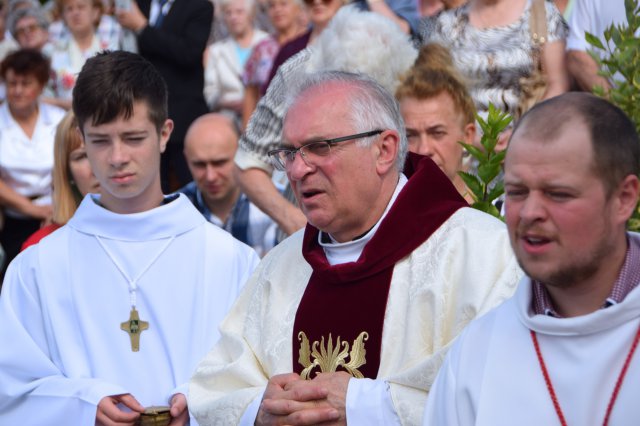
[[66, 197]]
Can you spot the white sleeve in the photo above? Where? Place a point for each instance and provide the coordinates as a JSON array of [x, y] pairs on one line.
[[33, 386], [441, 402], [581, 20], [212, 78], [369, 403], [250, 414]]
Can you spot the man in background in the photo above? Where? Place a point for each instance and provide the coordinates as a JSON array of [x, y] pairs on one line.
[[209, 147]]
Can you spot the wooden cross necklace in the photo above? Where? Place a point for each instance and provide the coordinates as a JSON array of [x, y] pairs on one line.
[[134, 325]]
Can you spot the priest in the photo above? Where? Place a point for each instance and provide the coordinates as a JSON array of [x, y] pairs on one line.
[[107, 317], [348, 319]]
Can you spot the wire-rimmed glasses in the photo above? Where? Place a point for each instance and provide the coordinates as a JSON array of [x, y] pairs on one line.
[[282, 158]]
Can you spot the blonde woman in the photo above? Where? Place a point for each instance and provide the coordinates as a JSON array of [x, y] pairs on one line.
[[72, 177]]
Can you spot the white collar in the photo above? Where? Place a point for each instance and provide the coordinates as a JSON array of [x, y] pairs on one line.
[[170, 219], [339, 253]]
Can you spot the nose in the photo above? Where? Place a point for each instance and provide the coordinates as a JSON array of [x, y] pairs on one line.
[[425, 145], [532, 208], [211, 173], [118, 155], [298, 168]]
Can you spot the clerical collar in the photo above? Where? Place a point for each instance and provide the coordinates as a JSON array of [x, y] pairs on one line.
[[338, 253], [627, 280], [165, 200]]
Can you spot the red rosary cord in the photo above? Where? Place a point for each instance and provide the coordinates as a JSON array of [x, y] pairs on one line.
[[623, 372], [614, 394], [547, 379]]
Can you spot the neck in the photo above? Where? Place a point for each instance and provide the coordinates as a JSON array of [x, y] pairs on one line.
[[376, 212], [84, 39], [462, 189], [244, 39], [316, 31], [132, 205], [495, 13], [288, 34], [26, 115], [587, 296], [222, 208]]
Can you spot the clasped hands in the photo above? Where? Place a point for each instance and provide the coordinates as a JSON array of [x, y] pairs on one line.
[[290, 400]]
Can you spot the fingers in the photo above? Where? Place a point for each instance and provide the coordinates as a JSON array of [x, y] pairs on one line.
[[282, 380], [109, 414], [308, 416], [178, 405], [130, 402]]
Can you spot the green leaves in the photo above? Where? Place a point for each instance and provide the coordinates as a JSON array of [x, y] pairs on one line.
[[485, 187], [620, 64]]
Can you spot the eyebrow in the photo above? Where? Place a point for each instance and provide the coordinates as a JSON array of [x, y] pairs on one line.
[[127, 133]]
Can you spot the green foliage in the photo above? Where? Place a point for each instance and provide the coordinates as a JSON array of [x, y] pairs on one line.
[[621, 64], [482, 187]]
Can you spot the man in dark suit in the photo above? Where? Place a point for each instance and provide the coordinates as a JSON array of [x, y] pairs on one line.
[[172, 35]]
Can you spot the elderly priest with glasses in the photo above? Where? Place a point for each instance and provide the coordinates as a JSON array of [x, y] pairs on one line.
[[348, 320]]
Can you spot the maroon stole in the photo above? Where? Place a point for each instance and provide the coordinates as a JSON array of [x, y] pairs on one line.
[[338, 325]]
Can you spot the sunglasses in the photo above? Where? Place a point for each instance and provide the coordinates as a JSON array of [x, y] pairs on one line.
[[311, 2]]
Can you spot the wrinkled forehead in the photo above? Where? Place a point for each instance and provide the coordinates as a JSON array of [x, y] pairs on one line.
[[322, 105]]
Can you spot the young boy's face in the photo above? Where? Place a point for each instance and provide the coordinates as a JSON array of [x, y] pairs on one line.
[[125, 157]]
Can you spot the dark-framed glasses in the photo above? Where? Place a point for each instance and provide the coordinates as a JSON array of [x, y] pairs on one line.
[[313, 151]]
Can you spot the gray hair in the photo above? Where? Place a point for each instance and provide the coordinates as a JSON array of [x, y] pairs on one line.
[[29, 12], [250, 4], [371, 105], [363, 42]]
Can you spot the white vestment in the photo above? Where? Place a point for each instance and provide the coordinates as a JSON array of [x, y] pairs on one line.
[[465, 268], [492, 375], [64, 299]]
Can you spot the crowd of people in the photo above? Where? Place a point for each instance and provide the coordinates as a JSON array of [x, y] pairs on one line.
[[249, 212]]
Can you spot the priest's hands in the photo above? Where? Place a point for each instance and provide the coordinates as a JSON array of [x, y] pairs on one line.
[[179, 412], [289, 400], [109, 414]]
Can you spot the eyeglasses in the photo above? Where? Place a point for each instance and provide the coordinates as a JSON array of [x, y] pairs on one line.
[[310, 2], [312, 152], [27, 29]]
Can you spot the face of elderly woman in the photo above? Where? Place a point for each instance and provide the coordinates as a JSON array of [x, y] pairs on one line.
[[29, 34], [23, 91], [238, 17]]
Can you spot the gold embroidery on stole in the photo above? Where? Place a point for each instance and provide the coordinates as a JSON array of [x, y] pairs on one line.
[[329, 358]]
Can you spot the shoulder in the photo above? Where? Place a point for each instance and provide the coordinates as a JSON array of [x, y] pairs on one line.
[[470, 220], [51, 113], [259, 36], [222, 244]]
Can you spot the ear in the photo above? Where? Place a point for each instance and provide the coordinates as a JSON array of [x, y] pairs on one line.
[[388, 145], [627, 197], [469, 133], [165, 134]]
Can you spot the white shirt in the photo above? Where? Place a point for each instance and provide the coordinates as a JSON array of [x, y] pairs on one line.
[[26, 163]]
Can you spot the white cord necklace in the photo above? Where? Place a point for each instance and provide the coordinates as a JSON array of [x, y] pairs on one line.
[[134, 325]]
